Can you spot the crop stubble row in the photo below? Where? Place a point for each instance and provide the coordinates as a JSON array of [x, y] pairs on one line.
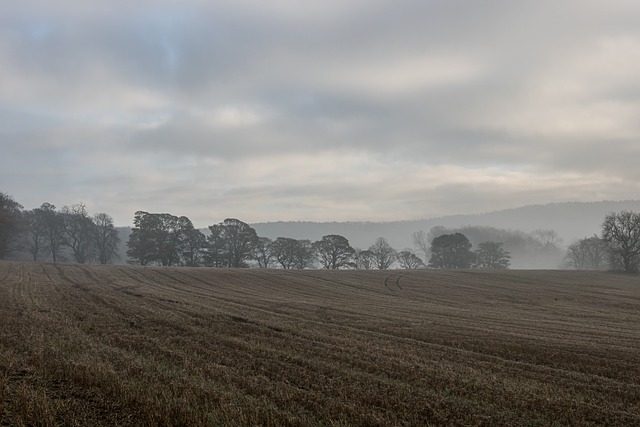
[[124, 345]]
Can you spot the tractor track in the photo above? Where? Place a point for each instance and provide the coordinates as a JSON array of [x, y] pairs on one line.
[[389, 280]]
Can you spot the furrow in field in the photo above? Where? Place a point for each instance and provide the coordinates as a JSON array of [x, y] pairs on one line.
[[201, 346]]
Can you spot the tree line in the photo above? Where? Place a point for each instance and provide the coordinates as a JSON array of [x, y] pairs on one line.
[[57, 234], [617, 248], [71, 233], [165, 239]]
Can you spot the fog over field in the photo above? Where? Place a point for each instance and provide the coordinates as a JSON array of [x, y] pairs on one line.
[[571, 221], [320, 212], [345, 110]]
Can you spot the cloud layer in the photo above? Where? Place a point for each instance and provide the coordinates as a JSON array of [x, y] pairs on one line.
[[333, 110]]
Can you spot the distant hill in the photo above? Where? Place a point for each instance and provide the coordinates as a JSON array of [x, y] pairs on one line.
[[572, 220]]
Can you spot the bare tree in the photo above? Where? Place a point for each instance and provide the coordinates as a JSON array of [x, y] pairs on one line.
[[291, 253], [547, 238], [262, 252], [383, 254], [422, 242], [409, 260], [284, 250], [491, 256], [106, 238], [54, 224], [36, 233], [78, 232], [588, 254], [364, 259], [621, 232]]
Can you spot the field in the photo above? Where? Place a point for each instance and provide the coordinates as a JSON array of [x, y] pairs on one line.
[[107, 345]]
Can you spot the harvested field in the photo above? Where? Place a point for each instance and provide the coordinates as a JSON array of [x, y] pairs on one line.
[[107, 345]]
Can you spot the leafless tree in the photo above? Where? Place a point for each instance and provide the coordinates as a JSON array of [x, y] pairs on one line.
[[263, 253], [590, 253], [422, 242], [547, 238], [364, 259], [78, 233], [491, 256], [284, 251], [54, 224], [383, 254], [36, 233], [409, 260], [106, 238], [621, 232]]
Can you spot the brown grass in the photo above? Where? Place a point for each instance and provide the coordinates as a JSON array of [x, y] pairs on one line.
[[94, 345]]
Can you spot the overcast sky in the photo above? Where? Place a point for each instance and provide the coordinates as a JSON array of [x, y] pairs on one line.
[[327, 110]]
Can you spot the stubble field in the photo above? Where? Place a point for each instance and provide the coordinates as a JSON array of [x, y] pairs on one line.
[[112, 345]]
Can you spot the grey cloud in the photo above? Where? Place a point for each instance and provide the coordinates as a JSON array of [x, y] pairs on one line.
[[91, 90]]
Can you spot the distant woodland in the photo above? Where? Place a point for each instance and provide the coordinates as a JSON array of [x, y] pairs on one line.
[[72, 234]]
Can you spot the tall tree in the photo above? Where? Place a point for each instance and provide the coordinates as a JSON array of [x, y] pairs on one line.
[[422, 241], [215, 255], [106, 238], [54, 224], [36, 232], [491, 256], [383, 254], [334, 252], [284, 251], [304, 255], [409, 260], [621, 232], [364, 259], [167, 235], [451, 251], [78, 233], [10, 227], [192, 244], [160, 237], [238, 240], [263, 253], [142, 244]]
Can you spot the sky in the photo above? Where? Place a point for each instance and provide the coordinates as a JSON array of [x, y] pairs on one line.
[[332, 110]]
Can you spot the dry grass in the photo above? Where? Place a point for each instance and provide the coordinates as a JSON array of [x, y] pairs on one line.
[[93, 345]]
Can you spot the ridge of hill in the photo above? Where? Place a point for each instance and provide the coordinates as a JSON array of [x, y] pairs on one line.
[[572, 220]]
